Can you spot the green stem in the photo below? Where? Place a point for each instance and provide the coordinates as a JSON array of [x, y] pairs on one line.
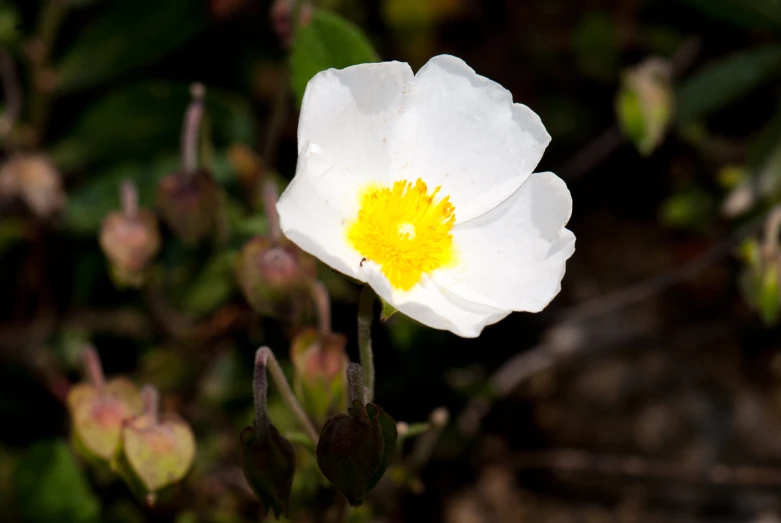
[[287, 393], [365, 314]]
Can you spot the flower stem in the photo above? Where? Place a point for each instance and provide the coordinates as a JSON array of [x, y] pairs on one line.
[[355, 383], [94, 369], [150, 399], [772, 231], [365, 314], [260, 393], [323, 306], [287, 393], [270, 198], [129, 199], [192, 124]]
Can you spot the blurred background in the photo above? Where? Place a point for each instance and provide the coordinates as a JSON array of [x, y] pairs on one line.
[[648, 391]]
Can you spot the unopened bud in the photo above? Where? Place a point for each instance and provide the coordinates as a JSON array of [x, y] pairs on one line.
[[355, 449], [34, 180], [267, 458], [154, 453], [98, 409], [275, 278], [320, 362], [130, 239], [189, 205], [645, 103]]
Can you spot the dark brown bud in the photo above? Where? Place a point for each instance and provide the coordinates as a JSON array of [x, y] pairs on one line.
[[189, 205], [355, 450]]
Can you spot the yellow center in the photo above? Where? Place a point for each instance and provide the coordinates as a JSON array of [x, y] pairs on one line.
[[404, 230]]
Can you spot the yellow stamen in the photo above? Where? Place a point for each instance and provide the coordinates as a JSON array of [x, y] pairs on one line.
[[404, 231]]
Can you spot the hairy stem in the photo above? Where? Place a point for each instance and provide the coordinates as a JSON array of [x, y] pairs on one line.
[[192, 124], [365, 314], [260, 393], [150, 399], [94, 369], [355, 383], [287, 393], [323, 305]]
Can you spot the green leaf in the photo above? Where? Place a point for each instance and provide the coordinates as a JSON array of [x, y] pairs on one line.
[[329, 41], [144, 120], [130, 34], [689, 209], [50, 486], [212, 287], [387, 311], [595, 42], [753, 14], [726, 81]]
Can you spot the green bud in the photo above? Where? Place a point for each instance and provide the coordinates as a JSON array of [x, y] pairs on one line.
[[760, 280], [98, 410], [645, 103], [320, 362], [130, 239], [154, 453], [189, 205], [355, 449]]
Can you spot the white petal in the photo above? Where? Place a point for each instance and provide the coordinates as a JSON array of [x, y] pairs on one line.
[[314, 207], [357, 115], [472, 140], [434, 306], [514, 256]]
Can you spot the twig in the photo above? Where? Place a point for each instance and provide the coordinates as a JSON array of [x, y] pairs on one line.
[[569, 460], [427, 442], [652, 286], [612, 138], [150, 399]]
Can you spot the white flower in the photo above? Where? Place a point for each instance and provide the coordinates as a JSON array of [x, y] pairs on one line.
[[422, 187]]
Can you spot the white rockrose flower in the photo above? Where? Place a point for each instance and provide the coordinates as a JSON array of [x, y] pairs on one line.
[[422, 186]]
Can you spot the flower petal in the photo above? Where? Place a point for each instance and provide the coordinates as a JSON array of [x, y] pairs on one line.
[[514, 256], [472, 140], [358, 116], [434, 306], [313, 208]]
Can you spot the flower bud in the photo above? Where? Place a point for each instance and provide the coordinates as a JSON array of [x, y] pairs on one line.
[[320, 362], [275, 278], [154, 453], [189, 205], [130, 239], [760, 280], [34, 180], [645, 103], [267, 458], [98, 410], [355, 449], [269, 464]]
